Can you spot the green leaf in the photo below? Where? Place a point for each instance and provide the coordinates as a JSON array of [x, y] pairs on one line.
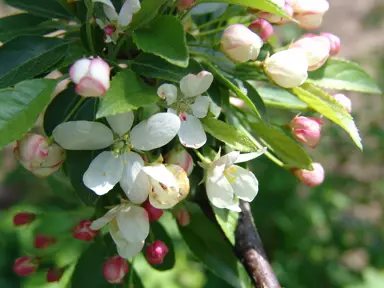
[[44, 8], [256, 99], [27, 56], [341, 74], [228, 134], [209, 245], [155, 67], [22, 24], [20, 107], [325, 104], [149, 10], [227, 220], [160, 234], [164, 37], [127, 93]]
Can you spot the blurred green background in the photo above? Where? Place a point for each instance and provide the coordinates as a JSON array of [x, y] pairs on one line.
[[327, 237]]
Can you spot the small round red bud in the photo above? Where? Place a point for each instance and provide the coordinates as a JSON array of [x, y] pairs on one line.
[[54, 274], [26, 265], [154, 214], [262, 28], [306, 130], [156, 252], [311, 178], [334, 41], [109, 29], [23, 218], [114, 269], [43, 241], [83, 232]]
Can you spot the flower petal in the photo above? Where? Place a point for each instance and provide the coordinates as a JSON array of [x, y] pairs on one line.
[[243, 182], [219, 191], [168, 92], [79, 69], [100, 71], [133, 223], [192, 133], [83, 135], [140, 189], [121, 123], [227, 159], [89, 87], [129, 8], [161, 174], [249, 156], [155, 132], [200, 106], [102, 221], [214, 109], [193, 85], [132, 166], [103, 173]]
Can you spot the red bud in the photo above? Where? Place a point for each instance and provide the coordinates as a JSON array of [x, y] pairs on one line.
[[156, 252], [23, 218], [26, 265], [83, 232], [114, 269]]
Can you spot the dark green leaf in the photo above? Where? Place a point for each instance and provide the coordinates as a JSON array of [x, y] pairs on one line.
[[27, 56], [255, 97], [44, 8], [165, 37], [227, 220], [20, 107], [127, 93], [343, 75], [149, 10]]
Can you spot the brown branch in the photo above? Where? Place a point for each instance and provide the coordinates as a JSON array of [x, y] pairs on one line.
[[250, 251]]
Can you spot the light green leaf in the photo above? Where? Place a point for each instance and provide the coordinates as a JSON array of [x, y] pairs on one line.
[[228, 134], [27, 56], [341, 74], [227, 220], [164, 37], [325, 104], [127, 93], [149, 10], [44, 8], [20, 107]]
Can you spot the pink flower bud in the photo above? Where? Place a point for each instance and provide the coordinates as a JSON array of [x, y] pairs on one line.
[[182, 216], [43, 241], [91, 77], [156, 252], [26, 265], [240, 44], [185, 4], [109, 30], [310, 13], [262, 28], [179, 156], [306, 130], [345, 101], [54, 274], [83, 232], [23, 218], [154, 214], [114, 269], [287, 68], [311, 178], [316, 50], [334, 41], [38, 156], [276, 19]]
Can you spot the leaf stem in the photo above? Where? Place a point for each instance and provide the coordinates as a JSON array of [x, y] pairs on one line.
[[120, 43], [130, 281], [90, 7], [202, 158], [205, 33], [77, 106]]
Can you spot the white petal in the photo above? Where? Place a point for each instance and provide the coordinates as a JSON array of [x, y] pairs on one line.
[[219, 191], [193, 85], [214, 109], [200, 106], [125, 248], [103, 173], [161, 174], [227, 159], [133, 223], [172, 111], [168, 92], [121, 123], [129, 8], [249, 156], [132, 166], [155, 132], [192, 133], [102, 221], [83, 135], [140, 189], [243, 182], [79, 69]]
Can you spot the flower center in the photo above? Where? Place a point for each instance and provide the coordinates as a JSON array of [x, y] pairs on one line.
[[121, 145], [230, 174]]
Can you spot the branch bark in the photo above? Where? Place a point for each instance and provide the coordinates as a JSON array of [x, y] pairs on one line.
[[250, 251]]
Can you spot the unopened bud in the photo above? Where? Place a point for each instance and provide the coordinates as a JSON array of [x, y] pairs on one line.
[[240, 44], [156, 252], [345, 101], [310, 13], [23, 218], [91, 77], [115, 269], [83, 232], [311, 178], [316, 49], [287, 68], [54, 274], [43, 241], [38, 156], [109, 30], [26, 265], [262, 28], [154, 214], [276, 19], [185, 4], [306, 130], [334, 41], [179, 156], [182, 216]]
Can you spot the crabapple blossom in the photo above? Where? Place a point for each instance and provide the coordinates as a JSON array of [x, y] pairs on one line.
[[54, 274], [189, 105], [82, 231], [179, 156], [26, 265], [156, 252], [154, 214], [344, 101], [309, 13], [307, 130], [334, 41], [23, 218], [262, 28], [240, 44], [115, 269], [311, 178]]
